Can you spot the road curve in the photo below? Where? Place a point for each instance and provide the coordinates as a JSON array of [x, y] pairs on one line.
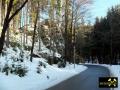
[[87, 80]]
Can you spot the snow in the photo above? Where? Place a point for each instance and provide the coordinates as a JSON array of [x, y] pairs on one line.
[[115, 71], [17, 38], [44, 49], [49, 75]]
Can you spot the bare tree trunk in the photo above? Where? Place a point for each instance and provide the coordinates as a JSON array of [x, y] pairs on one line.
[[35, 26], [26, 24], [74, 36], [20, 28], [71, 54], [24, 36], [2, 38], [24, 32], [39, 38], [74, 42], [66, 33], [7, 39], [3, 12]]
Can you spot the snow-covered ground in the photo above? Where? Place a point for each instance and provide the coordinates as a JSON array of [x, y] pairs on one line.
[[48, 75], [115, 71]]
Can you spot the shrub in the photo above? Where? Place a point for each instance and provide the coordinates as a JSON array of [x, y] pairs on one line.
[[39, 70], [15, 44], [61, 65], [14, 58], [6, 69], [20, 71], [3, 53], [42, 64], [28, 48], [21, 54], [14, 49], [15, 69]]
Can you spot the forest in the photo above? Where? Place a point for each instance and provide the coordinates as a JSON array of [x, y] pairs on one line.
[[103, 41], [63, 27], [46, 42], [56, 23]]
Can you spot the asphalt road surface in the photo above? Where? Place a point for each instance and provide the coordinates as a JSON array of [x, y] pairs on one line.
[[87, 80]]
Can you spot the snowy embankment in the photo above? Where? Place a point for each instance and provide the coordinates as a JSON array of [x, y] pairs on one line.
[[48, 77], [115, 71], [39, 75]]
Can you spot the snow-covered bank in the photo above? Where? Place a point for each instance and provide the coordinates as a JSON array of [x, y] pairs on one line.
[[115, 71], [33, 81], [18, 73]]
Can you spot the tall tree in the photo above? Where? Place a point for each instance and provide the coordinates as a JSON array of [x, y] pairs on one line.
[[7, 20], [35, 27]]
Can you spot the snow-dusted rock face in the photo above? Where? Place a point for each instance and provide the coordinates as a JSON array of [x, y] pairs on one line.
[[52, 38]]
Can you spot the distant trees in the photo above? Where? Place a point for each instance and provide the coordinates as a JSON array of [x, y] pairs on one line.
[[104, 41], [83, 40], [100, 40]]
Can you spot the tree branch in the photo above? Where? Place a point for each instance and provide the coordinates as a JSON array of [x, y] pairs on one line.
[[17, 11]]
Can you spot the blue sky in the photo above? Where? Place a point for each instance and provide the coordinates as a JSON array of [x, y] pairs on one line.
[[100, 7]]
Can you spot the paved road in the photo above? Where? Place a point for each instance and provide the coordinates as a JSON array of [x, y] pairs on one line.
[[87, 80]]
